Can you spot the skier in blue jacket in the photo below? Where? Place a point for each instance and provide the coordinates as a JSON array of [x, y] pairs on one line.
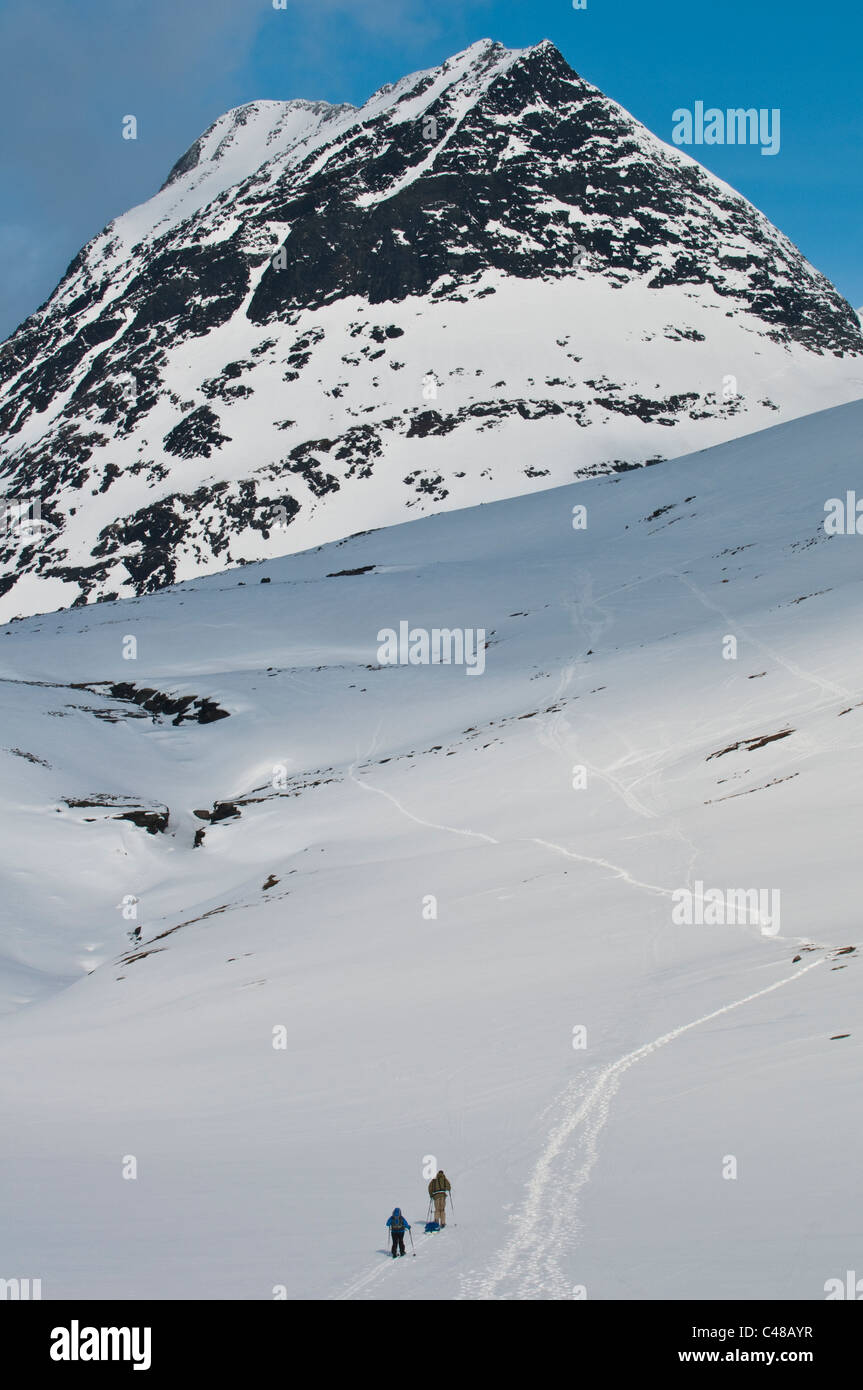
[[398, 1226]]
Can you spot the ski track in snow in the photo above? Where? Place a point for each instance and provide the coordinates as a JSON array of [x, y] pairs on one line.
[[615, 869], [358, 1285], [830, 688], [538, 1248], [538, 1245], [529, 1264]]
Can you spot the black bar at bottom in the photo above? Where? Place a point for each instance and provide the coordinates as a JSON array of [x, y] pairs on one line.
[[157, 1339]]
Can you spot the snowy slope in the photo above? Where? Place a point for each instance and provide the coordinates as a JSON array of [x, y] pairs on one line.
[[487, 280], [412, 1040]]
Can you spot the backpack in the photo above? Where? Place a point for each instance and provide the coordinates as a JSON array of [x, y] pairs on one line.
[[397, 1222]]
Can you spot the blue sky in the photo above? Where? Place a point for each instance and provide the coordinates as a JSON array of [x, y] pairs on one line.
[[70, 70]]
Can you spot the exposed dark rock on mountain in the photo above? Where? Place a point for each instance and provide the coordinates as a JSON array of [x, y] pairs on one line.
[[487, 279]]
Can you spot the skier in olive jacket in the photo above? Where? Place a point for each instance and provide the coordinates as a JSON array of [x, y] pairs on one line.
[[438, 1188]]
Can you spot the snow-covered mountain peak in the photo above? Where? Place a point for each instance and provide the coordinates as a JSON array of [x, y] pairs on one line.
[[254, 121], [488, 279]]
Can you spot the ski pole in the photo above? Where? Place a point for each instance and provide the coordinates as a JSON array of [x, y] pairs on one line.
[[411, 1234]]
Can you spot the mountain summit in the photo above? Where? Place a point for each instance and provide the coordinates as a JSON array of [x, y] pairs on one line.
[[486, 280]]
